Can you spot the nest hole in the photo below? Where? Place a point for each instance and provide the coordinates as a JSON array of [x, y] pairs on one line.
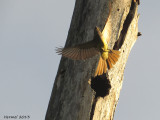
[[100, 85]]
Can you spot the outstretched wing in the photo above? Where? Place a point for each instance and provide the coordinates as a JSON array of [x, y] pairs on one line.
[[80, 52], [113, 56]]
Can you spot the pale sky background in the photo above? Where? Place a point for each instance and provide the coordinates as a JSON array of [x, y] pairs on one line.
[[29, 32]]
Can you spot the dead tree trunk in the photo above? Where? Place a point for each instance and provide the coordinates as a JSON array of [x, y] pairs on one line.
[[76, 94]]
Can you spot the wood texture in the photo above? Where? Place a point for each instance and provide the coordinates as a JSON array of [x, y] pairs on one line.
[[76, 95]]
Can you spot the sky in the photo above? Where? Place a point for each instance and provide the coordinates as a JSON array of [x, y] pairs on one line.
[[29, 32]]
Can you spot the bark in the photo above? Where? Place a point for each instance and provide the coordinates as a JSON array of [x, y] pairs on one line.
[[76, 94]]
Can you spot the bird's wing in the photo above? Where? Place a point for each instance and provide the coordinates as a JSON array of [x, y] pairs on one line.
[[80, 52], [113, 56]]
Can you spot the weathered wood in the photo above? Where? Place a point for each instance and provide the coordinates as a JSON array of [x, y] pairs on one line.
[[76, 95]]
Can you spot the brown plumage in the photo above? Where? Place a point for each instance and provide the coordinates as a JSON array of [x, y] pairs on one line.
[[80, 52]]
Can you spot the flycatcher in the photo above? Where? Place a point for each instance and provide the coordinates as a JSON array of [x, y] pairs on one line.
[[87, 50]]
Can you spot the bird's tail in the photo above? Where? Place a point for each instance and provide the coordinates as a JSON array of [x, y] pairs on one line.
[[104, 65]]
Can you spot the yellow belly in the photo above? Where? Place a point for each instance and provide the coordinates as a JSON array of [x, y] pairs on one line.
[[105, 55]]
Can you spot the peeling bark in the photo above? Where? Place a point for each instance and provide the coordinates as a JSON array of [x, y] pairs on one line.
[[76, 94]]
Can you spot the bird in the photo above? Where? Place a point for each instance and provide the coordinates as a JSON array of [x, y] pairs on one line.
[[97, 46]]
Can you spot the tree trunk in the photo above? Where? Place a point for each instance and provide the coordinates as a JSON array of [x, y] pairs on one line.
[[76, 94]]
